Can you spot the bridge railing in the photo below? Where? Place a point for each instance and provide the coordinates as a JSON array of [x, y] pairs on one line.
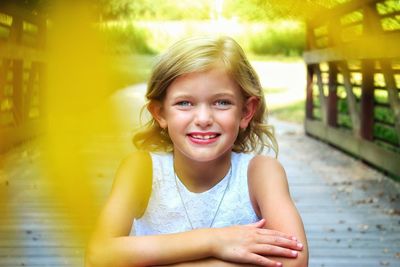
[[353, 65], [22, 68]]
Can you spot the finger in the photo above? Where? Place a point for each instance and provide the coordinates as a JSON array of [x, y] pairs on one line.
[[258, 224], [276, 233], [271, 250], [280, 241], [262, 261]]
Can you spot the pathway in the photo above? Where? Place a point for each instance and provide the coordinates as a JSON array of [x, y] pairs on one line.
[[351, 212]]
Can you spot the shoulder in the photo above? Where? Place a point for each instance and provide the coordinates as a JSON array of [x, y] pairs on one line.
[[262, 165], [134, 168], [267, 177], [135, 160], [133, 180]]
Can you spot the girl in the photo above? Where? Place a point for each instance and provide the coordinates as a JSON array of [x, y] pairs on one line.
[[198, 198]]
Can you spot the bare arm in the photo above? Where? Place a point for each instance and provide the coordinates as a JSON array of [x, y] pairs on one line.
[[111, 244], [269, 190]]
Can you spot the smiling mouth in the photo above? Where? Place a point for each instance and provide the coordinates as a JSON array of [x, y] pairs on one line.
[[204, 136]]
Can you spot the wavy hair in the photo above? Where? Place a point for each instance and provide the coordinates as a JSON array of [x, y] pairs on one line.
[[196, 54]]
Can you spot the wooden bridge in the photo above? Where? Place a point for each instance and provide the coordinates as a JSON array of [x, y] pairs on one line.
[[351, 211]]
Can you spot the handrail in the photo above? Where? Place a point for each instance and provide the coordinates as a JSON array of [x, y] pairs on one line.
[[22, 67], [375, 52]]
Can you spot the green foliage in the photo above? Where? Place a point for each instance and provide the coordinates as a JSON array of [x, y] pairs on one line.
[[384, 114], [281, 38], [384, 117], [388, 6], [386, 133], [344, 120], [155, 9], [342, 106], [131, 69], [245, 10], [293, 112], [126, 39]]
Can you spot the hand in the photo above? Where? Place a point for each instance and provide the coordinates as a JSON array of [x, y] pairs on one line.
[[251, 243]]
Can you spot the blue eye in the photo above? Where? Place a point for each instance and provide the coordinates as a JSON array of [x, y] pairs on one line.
[[223, 102], [183, 103]]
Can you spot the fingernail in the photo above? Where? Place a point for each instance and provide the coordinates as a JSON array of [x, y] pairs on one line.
[[294, 253], [279, 264], [294, 238], [299, 245]]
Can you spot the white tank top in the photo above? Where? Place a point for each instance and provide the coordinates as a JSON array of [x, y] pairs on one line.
[[166, 214]]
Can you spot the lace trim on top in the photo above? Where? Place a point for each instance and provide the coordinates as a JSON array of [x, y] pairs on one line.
[[165, 213]]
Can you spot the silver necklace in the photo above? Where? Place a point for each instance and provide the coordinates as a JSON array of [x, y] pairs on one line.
[[219, 204]]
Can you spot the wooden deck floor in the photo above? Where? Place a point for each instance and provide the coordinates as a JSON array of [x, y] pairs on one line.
[[350, 211]]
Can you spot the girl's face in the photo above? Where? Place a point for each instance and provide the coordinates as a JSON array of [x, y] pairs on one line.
[[203, 113]]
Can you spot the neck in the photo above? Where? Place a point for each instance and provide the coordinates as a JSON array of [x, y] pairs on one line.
[[201, 176]]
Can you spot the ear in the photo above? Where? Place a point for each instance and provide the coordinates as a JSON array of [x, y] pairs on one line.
[[249, 109], [155, 108]]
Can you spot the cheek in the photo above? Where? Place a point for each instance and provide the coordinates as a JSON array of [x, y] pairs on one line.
[[178, 118], [231, 120]]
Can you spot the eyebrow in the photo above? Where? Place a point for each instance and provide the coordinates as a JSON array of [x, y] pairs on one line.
[[224, 95], [216, 95], [182, 96]]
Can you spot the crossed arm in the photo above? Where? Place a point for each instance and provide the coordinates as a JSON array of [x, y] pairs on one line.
[[245, 245]]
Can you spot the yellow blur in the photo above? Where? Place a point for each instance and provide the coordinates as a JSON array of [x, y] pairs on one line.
[[79, 82]]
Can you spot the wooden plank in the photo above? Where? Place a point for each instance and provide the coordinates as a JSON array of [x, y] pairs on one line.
[[367, 100], [322, 98], [332, 99], [29, 94], [19, 52], [372, 47], [32, 234], [350, 98], [10, 136], [364, 149], [393, 93], [309, 92], [340, 10], [382, 158], [15, 11], [16, 30], [4, 69], [18, 94]]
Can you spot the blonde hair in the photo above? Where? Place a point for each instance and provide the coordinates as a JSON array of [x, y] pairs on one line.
[[196, 54]]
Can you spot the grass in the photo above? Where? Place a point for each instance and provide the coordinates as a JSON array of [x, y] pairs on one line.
[[133, 69], [293, 112]]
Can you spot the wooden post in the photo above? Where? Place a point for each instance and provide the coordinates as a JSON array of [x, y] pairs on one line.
[[332, 97], [393, 93], [310, 44], [367, 100], [371, 26], [30, 88], [322, 98], [350, 98], [42, 33], [42, 90], [17, 70], [309, 92], [41, 67]]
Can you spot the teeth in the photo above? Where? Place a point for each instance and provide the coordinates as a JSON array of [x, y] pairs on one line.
[[204, 137]]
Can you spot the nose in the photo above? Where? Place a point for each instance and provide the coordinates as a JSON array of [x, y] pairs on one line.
[[204, 116]]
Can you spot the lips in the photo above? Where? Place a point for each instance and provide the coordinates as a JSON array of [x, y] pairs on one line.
[[203, 138]]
